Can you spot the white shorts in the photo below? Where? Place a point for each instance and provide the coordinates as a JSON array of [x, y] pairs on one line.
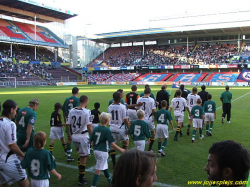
[[197, 123], [140, 145], [209, 116], [150, 123], [94, 125], [162, 131], [132, 114], [81, 143], [101, 160], [119, 134], [179, 119], [11, 172], [56, 133], [39, 183]]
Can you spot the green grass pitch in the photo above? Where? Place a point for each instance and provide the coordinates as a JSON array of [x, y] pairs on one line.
[[184, 161]]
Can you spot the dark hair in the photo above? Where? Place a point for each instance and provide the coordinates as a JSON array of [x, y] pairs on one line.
[[147, 91], [164, 103], [227, 87], [194, 90], [83, 98], [209, 96], [39, 139], [120, 90], [198, 101], [181, 87], [75, 90], [232, 155], [178, 92], [130, 165], [7, 106], [147, 86], [163, 87], [117, 96], [203, 87], [134, 88], [97, 105], [57, 106]]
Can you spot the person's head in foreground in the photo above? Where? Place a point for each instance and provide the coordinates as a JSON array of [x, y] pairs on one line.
[[135, 169], [104, 118], [227, 161], [39, 140]]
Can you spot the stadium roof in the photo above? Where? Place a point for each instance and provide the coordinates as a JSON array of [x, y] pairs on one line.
[[27, 9], [199, 30]]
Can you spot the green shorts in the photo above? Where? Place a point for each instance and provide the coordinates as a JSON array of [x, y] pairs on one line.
[[21, 139]]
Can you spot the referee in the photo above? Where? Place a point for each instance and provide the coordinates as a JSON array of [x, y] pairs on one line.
[[162, 95], [203, 94], [226, 97]]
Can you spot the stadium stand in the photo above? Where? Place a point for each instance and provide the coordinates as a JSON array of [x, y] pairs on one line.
[[207, 54], [154, 77], [188, 77], [36, 72], [99, 77], [123, 77], [26, 33], [223, 77], [160, 55]]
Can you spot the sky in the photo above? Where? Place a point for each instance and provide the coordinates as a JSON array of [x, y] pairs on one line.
[[102, 16]]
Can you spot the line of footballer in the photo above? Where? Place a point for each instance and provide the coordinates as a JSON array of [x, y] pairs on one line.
[[136, 116]]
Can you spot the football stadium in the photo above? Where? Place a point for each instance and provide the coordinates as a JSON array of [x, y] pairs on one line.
[[40, 64]]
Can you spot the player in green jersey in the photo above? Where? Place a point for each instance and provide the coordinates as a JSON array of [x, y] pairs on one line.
[[162, 117], [139, 131], [151, 94], [69, 103], [198, 115], [226, 97], [99, 137], [210, 114], [122, 94], [26, 119], [39, 162]]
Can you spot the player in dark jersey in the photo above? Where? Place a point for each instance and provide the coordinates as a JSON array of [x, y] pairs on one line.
[[162, 95], [184, 92], [131, 99], [56, 131], [95, 114], [203, 94], [70, 103]]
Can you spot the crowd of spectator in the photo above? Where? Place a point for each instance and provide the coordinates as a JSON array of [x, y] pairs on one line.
[[166, 55], [113, 77], [99, 77], [214, 54], [28, 54], [9, 69]]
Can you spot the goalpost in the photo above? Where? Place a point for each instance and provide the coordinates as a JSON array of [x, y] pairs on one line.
[[8, 79]]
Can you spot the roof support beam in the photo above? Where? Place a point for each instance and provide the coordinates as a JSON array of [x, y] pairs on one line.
[[32, 15], [205, 31], [223, 30]]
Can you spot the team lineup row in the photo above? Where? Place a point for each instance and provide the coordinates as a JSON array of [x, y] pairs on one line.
[[139, 113]]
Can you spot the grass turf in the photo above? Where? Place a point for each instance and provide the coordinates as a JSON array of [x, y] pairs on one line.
[[183, 162]]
